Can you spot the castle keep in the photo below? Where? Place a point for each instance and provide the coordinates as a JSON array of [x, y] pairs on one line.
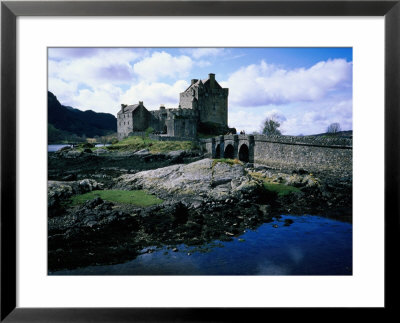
[[204, 102]]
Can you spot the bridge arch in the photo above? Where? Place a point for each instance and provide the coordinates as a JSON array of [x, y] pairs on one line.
[[244, 153], [229, 152], [218, 151]]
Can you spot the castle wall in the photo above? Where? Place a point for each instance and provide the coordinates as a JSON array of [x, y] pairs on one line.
[[185, 100], [312, 158], [182, 127], [141, 119], [214, 107], [157, 121], [124, 125], [138, 120]]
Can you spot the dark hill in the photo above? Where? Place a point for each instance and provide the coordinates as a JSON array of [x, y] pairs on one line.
[[77, 122]]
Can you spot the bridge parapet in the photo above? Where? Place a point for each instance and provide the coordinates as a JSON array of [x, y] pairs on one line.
[[307, 140]]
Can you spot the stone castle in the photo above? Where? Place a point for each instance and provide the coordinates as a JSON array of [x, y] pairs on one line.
[[202, 105]]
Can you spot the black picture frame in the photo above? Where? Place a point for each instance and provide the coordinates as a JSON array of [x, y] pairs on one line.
[[10, 10]]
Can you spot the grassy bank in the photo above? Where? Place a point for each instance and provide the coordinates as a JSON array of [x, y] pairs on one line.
[[269, 185], [139, 197], [135, 143]]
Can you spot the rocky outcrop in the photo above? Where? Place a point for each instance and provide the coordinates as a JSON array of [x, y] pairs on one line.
[[204, 179], [58, 191]]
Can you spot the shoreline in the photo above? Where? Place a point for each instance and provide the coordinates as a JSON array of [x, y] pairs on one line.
[[215, 201]]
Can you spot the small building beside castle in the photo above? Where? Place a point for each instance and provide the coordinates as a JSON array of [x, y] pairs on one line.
[[203, 104]]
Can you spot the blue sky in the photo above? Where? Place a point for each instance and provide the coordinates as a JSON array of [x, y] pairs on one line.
[[305, 89]]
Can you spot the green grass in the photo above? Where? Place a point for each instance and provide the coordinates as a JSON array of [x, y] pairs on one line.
[[280, 189], [135, 143], [139, 197]]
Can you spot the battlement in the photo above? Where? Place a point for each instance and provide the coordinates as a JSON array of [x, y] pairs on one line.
[[181, 113]]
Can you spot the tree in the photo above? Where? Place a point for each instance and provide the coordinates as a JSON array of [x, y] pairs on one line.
[[271, 126], [146, 133], [334, 128]]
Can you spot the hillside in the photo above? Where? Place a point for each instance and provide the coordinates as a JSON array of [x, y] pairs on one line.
[[344, 134], [67, 122]]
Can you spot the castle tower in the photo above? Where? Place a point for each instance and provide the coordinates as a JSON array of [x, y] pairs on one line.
[[209, 98]]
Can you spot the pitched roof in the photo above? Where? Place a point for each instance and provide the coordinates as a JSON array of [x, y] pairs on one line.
[[204, 82], [129, 108], [194, 84]]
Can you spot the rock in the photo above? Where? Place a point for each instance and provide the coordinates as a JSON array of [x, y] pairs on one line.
[[86, 185], [88, 145], [91, 224], [288, 222], [58, 191], [73, 154], [298, 180], [176, 154], [175, 250], [64, 149], [88, 151], [93, 203], [202, 178], [70, 177], [264, 209], [101, 151], [143, 152]]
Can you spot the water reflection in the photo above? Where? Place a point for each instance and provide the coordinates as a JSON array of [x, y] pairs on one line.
[[312, 245]]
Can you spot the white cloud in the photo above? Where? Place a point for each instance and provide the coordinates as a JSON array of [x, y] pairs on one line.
[[155, 93], [62, 89], [162, 64], [89, 78], [316, 119], [202, 52], [306, 118], [264, 84], [106, 99], [203, 63], [94, 67], [250, 120]]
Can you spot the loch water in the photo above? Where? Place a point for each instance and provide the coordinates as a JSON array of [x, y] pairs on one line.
[[311, 245], [56, 147]]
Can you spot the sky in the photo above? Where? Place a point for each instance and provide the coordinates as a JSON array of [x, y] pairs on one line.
[[304, 89]]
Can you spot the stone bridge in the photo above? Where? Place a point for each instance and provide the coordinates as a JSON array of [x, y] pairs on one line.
[[232, 146], [311, 152]]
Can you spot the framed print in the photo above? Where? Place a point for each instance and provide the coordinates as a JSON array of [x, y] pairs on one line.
[[206, 159]]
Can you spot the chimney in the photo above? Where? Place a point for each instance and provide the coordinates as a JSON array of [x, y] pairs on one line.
[[140, 102], [211, 76], [193, 81], [162, 107]]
